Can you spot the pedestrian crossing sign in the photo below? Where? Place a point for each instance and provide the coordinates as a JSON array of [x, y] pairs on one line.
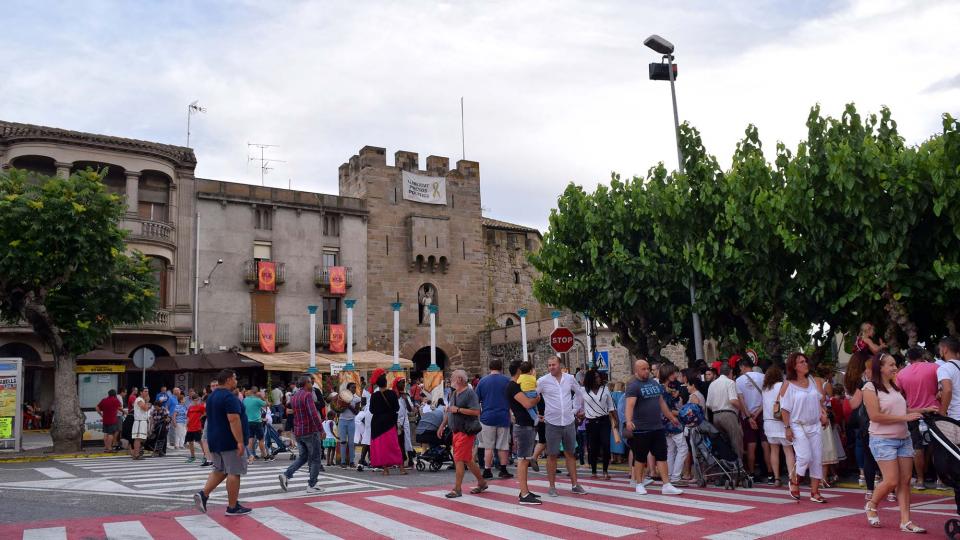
[[601, 359]]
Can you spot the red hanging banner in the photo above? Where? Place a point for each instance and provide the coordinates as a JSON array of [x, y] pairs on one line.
[[338, 338], [267, 333], [338, 280], [266, 276]]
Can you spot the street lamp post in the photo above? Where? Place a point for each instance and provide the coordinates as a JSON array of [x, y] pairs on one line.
[[666, 48], [312, 310]]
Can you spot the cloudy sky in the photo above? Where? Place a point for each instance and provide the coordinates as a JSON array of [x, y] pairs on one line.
[[555, 91]]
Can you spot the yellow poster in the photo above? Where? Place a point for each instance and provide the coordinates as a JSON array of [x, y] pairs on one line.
[[8, 402], [6, 428]]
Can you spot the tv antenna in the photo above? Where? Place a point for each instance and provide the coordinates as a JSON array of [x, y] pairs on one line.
[[264, 161]]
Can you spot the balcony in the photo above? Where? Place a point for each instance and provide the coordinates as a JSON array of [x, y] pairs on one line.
[[162, 319], [323, 335], [322, 277], [250, 338], [150, 231], [250, 272]]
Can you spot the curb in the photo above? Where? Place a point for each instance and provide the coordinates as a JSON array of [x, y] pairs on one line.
[[31, 459]]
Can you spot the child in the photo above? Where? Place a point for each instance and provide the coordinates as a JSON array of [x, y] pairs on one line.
[[180, 420], [528, 385], [195, 426], [329, 439]]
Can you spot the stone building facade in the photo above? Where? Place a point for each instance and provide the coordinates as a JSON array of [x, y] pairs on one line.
[[509, 274]]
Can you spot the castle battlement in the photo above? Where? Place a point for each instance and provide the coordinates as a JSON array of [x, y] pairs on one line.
[[375, 156]]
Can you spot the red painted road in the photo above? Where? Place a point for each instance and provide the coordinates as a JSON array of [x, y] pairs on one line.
[[611, 509]]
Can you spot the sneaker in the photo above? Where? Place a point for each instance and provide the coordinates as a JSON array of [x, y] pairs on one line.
[[191, 459], [892, 497], [921, 486], [206, 463], [283, 481], [535, 466], [862, 482], [553, 492], [578, 490], [670, 489], [505, 474], [641, 490], [868, 495], [940, 486], [200, 501], [359, 468], [238, 510], [770, 480], [633, 483], [487, 474], [682, 483], [322, 468], [313, 490], [647, 481], [529, 499]]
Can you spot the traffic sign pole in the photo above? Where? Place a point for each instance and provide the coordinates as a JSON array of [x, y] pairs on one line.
[[523, 331]]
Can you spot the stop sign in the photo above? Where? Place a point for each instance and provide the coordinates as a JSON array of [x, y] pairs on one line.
[[561, 339]]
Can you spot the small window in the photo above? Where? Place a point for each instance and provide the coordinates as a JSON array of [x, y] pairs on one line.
[[331, 225], [152, 211], [516, 277], [262, 251], [263, 219], [509, 322], [329, 259]]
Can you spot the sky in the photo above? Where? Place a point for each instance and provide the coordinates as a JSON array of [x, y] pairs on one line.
[[554, 91]]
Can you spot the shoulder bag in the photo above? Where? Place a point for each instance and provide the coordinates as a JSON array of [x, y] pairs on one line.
[[776, 404]]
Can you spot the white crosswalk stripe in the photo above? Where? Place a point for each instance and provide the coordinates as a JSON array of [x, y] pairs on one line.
[[375, 522], [566, 520], [46, 533], [784, 524], [486, 526], [203, 527], [670, 500], [286, 525], [126, 530], [172, 476]]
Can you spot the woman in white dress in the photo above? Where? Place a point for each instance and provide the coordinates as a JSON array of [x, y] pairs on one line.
[[362, 435], [803, 417], [774, 428]]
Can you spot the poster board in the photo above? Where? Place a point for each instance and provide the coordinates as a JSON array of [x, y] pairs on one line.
[[11, 403]]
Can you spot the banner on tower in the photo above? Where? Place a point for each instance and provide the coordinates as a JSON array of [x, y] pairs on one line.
[[338, 280], [266, 276], [424, 189], [268, 337]]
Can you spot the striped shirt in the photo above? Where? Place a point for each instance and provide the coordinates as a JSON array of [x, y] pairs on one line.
[[306, 419]]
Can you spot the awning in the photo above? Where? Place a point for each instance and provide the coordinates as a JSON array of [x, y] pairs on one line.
[[368, 360], [197, 362], [287, 361]]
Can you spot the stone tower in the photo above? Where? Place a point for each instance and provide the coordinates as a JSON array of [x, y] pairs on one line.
[[424, 244]]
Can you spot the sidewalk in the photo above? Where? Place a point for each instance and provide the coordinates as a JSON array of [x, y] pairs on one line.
[[38, 446]]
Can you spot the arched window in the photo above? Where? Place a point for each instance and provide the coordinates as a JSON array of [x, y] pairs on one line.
[[426, 295]]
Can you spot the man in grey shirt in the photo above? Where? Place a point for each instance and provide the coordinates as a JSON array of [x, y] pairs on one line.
[[461, 414]]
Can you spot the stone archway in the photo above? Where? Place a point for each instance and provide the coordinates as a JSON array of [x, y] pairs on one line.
[[421, 359]]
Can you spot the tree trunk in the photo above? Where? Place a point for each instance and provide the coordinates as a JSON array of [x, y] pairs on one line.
[[951, 321], [772, 344], [68, 419], [899, 318]]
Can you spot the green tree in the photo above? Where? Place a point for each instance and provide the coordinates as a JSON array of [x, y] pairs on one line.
[[65, 271]]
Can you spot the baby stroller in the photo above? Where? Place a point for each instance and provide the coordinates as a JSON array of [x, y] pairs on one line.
[[157, 440], [438, 452], [714, 459], [943, 437]]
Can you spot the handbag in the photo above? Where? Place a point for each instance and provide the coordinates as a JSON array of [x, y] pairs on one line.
[[777, 415], [471, 425]]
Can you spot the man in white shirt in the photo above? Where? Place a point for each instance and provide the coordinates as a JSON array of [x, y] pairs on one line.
[[948, 375], [723, 401], [750, 395], [563, 404]]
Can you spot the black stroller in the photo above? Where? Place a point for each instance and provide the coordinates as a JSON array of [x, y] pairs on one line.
[[943, 438], [438, 452], [157, 440], [714, 459]]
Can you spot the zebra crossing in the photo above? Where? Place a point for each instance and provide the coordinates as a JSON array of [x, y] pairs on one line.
[[610, 510], [172, 478]]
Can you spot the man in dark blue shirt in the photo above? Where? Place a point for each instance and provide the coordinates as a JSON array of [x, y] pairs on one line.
[[225, 440]]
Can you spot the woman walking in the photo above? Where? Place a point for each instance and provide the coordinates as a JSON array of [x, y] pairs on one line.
[[384, 442], [600, 412], [803, 415], [773, 427], [407, 410], [890, 440]]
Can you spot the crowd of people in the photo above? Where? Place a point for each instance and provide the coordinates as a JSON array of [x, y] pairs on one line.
[[787, 425]]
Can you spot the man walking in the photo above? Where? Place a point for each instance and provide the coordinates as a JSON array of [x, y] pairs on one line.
[[225, 440], [919, 384], [307, 426], [749, 393], [563, 405], [494, 419], [464, 404], [645, 409], [723, 401], [524, 431]]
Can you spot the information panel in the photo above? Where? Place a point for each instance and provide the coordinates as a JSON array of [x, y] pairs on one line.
[[11, 399]]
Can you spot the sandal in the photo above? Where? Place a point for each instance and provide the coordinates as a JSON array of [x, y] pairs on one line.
[[816, 497], [606, 477], [479, 489], [454, 494], [795, 494], [873, 521], [909, 527]]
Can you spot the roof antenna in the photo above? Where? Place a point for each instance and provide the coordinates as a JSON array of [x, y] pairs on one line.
[[463, 143], [264, 161]]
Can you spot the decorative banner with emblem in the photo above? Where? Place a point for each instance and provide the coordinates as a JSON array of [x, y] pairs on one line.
[[424, 189], [338, 280], [268, 336], [266, 276], [338, 338]]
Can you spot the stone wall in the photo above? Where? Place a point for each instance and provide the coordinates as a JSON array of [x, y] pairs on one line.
[[506, 264]]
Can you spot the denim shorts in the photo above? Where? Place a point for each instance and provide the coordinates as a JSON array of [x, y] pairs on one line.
[[890, 449]]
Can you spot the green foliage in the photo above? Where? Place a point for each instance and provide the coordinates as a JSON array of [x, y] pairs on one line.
[[63, 263], [853, 225]]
